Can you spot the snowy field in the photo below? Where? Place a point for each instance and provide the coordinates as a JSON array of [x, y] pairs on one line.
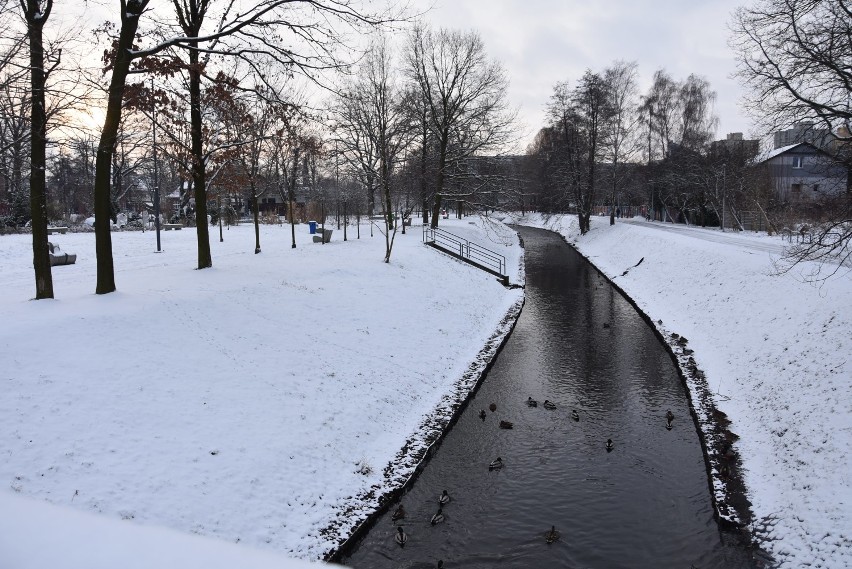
[[257, 402], [777, 353]]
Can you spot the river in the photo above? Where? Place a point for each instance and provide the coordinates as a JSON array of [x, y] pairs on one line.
[[581, 345]]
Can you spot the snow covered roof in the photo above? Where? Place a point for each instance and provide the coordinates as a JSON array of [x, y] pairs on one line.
[[779, 151]]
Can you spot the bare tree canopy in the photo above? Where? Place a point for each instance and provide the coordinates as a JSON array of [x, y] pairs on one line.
[[301, 36], [464, 95], [795, 56]]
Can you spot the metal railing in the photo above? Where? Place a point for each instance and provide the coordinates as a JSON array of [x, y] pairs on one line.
[[465, 249]]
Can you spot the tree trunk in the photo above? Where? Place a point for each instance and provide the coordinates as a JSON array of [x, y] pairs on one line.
[[439, 184], [106, 147], [199, 176], [389, 212], [38, 144], [219, 207]]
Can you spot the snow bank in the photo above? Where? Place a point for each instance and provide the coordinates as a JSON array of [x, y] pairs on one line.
[[257, 402], [38, 535], [777, 354]]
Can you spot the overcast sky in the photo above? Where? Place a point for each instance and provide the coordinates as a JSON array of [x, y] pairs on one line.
[[540, 42]]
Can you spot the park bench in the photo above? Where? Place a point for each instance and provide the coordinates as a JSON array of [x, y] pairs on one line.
[[176, 226], [324, 238], [57, 257], [52, 230]]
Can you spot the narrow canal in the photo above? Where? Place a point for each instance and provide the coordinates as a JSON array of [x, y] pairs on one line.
[[646, 503]]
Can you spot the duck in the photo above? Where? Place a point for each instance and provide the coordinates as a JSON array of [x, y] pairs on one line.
[[444, 498], [531, 402], [552, 535], [506, 424], [496, 464], [493, 407], [440, 564], [437, 518], [669, 416], [400, 537], [609, 445], [575, 415], [398, 514], [549, 405], [727, 451], [482, 414], [726, 472]]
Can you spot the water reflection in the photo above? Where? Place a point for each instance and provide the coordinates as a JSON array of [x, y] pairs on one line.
[[645, 504]]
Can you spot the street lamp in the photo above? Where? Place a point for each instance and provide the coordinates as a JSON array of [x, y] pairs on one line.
[[156, 178]]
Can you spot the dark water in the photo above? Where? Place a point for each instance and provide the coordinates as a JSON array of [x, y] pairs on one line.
[[645, 504]]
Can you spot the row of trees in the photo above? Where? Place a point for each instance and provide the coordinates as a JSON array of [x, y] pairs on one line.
[[219, 82], [607, 145], [601, 130], [422, 120], [220, 88]]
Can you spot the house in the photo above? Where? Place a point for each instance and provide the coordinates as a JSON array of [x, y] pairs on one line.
[[802, 173]]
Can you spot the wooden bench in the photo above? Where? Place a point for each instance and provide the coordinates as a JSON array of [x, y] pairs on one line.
[[324, 238], [176, 226], [52, 230]]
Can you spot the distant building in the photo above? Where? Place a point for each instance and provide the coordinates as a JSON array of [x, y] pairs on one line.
[[803, 132], [802, 173], [734, 144]]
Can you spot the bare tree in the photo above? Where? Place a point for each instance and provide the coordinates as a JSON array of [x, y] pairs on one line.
[[464, 94], [214, 27], [375, 127], [619, 142], [36, 14], [15, 111], [697, 120], [662, 111], [794, 57]]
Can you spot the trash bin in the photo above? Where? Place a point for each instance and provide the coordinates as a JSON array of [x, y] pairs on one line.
[[312, 226]]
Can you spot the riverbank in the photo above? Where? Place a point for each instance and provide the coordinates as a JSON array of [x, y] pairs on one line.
[[774, 351], [258, 402]]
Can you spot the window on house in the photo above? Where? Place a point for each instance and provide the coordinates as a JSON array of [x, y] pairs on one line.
[[797, 161]]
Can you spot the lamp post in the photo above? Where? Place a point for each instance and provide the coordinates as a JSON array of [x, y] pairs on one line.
[[156, 178]]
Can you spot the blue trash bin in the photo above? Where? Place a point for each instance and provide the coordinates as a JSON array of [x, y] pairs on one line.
[[312, 225]]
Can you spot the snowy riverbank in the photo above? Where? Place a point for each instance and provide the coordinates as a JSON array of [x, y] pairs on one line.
[[261, 400], [257, 402], [777, 354]]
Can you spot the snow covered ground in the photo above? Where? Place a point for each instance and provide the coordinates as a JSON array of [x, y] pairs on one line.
[[261, 400], [777, 354], [256, 402]]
